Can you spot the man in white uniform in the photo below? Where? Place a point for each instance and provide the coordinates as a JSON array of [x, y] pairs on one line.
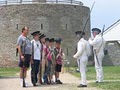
[[83, 51], [36, 57], [98, 44]]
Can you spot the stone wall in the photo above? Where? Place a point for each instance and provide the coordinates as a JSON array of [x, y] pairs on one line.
[[39, 0], [55, 20], [113, 57]]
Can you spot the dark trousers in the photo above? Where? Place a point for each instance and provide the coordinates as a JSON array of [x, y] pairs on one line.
[[34, 71]]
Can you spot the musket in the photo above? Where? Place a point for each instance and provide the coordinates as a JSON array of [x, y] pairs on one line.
[[40, 68], [103, 29], [88, 17], [95, 50], [96, 57]]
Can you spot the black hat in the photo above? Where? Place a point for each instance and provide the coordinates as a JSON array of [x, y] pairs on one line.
[[35, 33], [51, 40], [96, 30], [58, 40], [47, 39], [42, 36], [79, 33]]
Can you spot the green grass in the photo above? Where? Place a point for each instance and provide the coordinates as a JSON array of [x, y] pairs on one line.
[[107, 85], [111, 77], [8, 72], [110, 73]]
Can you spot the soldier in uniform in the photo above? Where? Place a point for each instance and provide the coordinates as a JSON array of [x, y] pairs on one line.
[[98, 44], [36, 57], [46, 51], [83, 51], [58, 58], [42, 72], [25, 51]]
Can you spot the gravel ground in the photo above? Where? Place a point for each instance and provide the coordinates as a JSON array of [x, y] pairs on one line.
[[70, 83]]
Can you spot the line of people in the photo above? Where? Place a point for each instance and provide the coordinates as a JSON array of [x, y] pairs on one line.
[[40, 53], [46, 60]]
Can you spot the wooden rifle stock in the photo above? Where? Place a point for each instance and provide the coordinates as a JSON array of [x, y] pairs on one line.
[[40, 68]]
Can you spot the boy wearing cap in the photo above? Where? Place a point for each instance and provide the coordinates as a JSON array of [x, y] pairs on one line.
[[24, 49], [83, 51], [98, 44], [42, 65], [51, 61], [58, 58], [46, 51], [36, 57]]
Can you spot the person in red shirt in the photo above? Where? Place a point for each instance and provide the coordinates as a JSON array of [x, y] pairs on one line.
[[51, 61], [46, 51], [58, 58]]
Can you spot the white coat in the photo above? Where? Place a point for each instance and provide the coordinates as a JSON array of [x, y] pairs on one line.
[[83, 51], [98, 44]]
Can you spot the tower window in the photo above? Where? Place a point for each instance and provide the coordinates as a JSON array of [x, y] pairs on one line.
[[17, 26], [66, 26], [41, 26]]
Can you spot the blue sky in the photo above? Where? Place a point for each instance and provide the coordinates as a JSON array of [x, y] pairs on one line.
[[104, 12]]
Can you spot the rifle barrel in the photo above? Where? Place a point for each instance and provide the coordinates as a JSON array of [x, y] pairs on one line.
[[87, 18]]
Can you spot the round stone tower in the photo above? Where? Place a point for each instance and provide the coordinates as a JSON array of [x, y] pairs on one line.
[[52, 19]]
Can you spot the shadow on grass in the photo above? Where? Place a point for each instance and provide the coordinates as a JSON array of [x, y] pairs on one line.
[[107, 85]]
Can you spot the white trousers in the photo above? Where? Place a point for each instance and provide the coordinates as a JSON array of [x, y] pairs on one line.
[[82, 63], [98, 67]]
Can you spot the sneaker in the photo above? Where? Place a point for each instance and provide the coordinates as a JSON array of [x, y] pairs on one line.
[[58, 82], [26, 84], [21, 83], [98, 82], [52, 82]]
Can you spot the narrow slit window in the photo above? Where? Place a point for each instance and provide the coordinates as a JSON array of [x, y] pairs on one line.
[[17, 26], [66, 27], [41, 26]]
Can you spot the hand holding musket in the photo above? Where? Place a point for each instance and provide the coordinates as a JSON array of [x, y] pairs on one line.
[[22, 58], [81, 35]]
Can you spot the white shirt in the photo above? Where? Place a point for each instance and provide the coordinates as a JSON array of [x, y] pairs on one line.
[[37, 49], [98, 43], [83, 48]]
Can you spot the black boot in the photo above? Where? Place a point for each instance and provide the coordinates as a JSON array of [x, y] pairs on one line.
[[81, 85], [58, 82]]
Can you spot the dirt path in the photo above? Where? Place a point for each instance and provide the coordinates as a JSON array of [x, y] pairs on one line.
[[70, 83]]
